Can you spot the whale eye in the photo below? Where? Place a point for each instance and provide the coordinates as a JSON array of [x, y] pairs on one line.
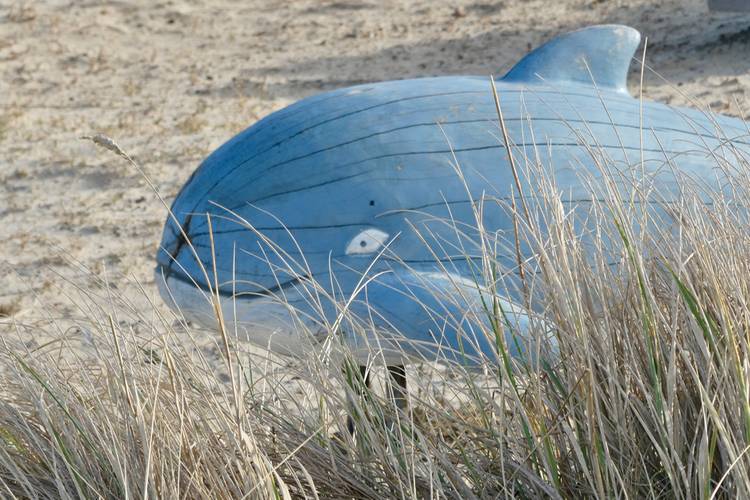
[[368, 241]]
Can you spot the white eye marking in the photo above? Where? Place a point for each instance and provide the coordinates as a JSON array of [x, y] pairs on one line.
[[368, 241]]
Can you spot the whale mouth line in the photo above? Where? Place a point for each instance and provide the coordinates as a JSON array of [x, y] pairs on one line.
[[167, 273]]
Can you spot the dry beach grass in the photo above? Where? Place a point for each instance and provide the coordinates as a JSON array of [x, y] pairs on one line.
[[107, 394], [649, 396]]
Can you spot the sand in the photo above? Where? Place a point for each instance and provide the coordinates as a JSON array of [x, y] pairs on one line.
[[172, 80]]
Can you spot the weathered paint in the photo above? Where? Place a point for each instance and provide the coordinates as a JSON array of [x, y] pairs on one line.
[[338, 179]]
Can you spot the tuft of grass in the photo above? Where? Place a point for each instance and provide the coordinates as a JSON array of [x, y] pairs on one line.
[[647, 395]]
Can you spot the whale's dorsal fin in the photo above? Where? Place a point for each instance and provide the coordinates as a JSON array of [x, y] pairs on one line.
[[597, 54]]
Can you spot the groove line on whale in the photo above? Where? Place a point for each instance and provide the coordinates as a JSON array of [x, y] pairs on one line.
[[482, 120], [395, 101], [706, 134]]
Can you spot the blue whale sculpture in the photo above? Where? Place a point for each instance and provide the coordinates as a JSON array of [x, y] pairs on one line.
[[339, 202]]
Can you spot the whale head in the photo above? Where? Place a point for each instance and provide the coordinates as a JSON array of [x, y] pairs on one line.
[[289, 265], [286, 264]]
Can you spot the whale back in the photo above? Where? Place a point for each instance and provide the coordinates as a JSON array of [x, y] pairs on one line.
[[401, 154]]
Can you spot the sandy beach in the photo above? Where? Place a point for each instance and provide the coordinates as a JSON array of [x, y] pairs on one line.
[[171, 81]]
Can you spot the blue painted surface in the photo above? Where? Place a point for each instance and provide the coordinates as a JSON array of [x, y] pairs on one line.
[[312, 177]]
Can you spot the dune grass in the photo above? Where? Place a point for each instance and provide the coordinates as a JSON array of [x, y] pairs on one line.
[[647, 397]]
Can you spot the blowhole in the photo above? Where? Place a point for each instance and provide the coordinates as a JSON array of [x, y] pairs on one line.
[[372, 203]]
